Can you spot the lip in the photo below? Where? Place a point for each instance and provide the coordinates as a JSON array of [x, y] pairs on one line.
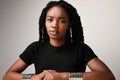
[[53, 32]]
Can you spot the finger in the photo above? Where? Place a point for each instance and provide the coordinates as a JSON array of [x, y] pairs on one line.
[[51, 70], [46, 76], [42, 75], [46, 71]]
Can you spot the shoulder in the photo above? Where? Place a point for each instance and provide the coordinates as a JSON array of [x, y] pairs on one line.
[[37, 44], [34, 43], [82, 45], [84, 48], [87, 52], [32, 46]]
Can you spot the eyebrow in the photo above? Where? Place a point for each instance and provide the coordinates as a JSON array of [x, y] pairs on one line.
[[49, 17], [53, 17]]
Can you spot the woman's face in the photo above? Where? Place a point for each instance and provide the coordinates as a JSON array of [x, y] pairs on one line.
[[57, 23]]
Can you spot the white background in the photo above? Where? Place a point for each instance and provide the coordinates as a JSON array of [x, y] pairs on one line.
[[19, 27]]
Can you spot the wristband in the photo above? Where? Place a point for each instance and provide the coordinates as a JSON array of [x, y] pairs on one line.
[[26, 76], [75, 76]]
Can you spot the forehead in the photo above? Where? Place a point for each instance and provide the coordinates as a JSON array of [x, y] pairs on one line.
[[57, 11]]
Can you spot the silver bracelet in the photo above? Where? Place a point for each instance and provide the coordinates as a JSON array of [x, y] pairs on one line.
[[75, 76], [26, 76]]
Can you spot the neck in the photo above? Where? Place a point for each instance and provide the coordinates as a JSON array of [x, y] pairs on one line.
[[57, 43]]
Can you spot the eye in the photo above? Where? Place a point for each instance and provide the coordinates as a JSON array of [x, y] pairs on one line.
[[62, 21], [49, 19]]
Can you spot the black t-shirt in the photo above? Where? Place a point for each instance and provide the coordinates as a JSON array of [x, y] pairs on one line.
[[67, 58]]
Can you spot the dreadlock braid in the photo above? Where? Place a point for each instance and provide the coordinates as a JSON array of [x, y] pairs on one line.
[[74, 33]]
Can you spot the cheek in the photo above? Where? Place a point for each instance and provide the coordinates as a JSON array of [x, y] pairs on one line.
[[47, 29], [64, 30], [47, 26]]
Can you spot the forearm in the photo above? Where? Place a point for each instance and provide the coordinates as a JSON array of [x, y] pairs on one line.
[[98, 75], [12, 76]]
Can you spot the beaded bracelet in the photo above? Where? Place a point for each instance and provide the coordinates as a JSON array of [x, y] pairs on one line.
[[26, 76], [75, 76]]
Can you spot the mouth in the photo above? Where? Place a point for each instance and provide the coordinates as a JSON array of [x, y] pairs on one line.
[[53, 32]]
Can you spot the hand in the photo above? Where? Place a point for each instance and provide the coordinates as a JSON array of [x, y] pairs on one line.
[[38, 76], [53, 75]]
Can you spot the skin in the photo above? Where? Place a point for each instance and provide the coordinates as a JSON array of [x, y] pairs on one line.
[[57, 23]]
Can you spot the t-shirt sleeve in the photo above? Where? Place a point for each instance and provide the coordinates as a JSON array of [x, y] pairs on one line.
[[28, 56], [88, 54]]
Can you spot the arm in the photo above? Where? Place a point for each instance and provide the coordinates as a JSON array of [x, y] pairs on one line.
[[14, 72], [99, 71]]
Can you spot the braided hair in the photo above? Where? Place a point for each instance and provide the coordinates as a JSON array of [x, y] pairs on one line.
[[74, 33]]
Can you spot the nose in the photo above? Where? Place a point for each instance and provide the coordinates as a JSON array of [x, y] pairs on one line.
[[55, 24]]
